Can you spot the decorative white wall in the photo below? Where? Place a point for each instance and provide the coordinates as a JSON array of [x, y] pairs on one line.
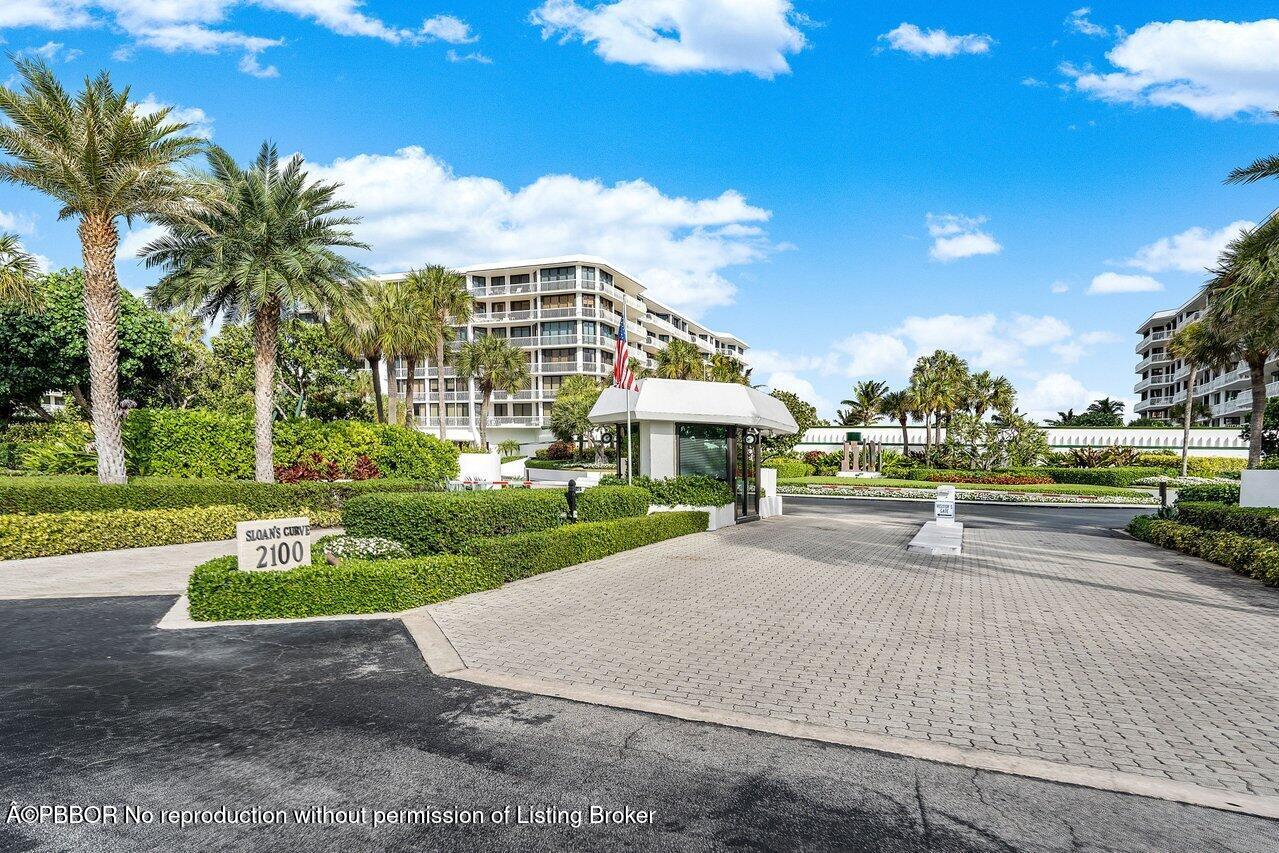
[[1203, 442]]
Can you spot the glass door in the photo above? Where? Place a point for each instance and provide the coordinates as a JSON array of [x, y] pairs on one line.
[[745, 456]]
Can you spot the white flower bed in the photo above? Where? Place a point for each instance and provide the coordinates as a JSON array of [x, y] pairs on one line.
[[964, 495], [362, 548], [1180, 481]]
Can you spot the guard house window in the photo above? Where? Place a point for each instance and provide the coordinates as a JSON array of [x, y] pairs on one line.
[[702, 449], [557, 274]]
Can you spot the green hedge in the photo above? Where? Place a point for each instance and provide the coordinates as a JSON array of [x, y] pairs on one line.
[[601, 503], [1118, 476], [441, 522], [45, 494], [203, 443], [1258, 522], [689, 490], [788, 469], [77, 532], [527, 554], [218, 590], [1198, 466], [1247, 555], [1222, 493]]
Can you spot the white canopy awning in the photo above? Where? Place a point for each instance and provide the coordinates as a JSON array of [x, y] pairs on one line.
[[684, 401]]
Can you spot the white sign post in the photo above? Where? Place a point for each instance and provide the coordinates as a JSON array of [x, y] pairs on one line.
[[944, 505], [273, 544]]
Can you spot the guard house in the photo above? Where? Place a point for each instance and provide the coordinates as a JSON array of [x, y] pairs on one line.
[[681, 427]]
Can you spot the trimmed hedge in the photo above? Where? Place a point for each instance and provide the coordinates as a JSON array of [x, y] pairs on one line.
[[527, 554], [1258, 522], [218, 590], [1199, 466], [1247, 555], [1121, 477], [37, 495], [77, 532], [988, 478], [441, 522], [689, 490], [601, 503], [788, 469], [1222, 493]]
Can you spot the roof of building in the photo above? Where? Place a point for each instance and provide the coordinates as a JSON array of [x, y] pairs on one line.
[[686, 401]]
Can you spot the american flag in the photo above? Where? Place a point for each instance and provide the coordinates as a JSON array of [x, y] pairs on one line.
[[622, 375]]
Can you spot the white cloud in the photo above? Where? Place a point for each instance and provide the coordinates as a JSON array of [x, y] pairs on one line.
[[956, 237], [874, 354], [17, 223], [1216, 69], [772, 361], [198, 119], [416, 211], [1033, 82], [52, 51], [1113, 282], [676, 36], [249, 65], [1078, 22], [135, 239], [473, 56], [1038, 331], [449, 29], [1193, 250], [1060, 287], [909, 38], [1059, 391], [802, 388], [1099, 337], [47, 14]]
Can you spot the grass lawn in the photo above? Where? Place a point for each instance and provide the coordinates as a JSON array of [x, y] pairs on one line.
[[889, 483]]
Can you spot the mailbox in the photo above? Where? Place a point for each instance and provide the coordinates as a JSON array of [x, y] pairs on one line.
[[944, 505]]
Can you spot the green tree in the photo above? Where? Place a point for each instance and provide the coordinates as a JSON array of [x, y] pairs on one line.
[[899, 406], [446, 303], [570, 419], [46, 348], [867, 403], [18, 272], [1265, 167], [1198, 345], [495, 365], [191, 364], [101, 159], [680, 359], [805, 415], [263, 247], [725, 368]]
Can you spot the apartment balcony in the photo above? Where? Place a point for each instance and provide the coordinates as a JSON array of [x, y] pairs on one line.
[[424, 372], [564, 368], [448, 422], [519, 421], [1151, 382], [562, 341], [567, 285], [574, 312], [1153, 359]]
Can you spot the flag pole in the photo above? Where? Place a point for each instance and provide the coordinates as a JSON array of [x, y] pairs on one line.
[[629, 455]]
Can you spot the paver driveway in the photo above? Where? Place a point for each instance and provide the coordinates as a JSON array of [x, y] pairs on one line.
[[1080, 647]]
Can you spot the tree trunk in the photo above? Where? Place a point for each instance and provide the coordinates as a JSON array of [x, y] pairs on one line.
[[98, 243], [266, 335], [484, 419], [1257, 419], [1185, 430], [410, 364], [82, 400], [905, 440], [392, 390], [375, 362], [439, 369]]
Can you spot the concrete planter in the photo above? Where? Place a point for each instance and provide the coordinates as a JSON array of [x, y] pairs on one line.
[[563, 475], [1259, 488], [720, 516]]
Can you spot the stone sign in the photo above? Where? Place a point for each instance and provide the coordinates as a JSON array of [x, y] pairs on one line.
[[273, 544], [944, 505]]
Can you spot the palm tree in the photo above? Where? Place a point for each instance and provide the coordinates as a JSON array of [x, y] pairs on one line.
[[355, 330], [680, 360], [446, 302], [1106, 406], [985, 392], [496, 366], [726, 368], [101, 159], [867, 403], [262, 248], [1266, 167], [17, 274], [1065, 418], [899, 406], [1199, 345]]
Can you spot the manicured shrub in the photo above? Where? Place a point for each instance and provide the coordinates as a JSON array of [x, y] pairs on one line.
[[1247, 555], [1258, 522], [440, 522], [360, 548], [77, 532], [36, 495], [988, 478], [1117, 476], [1223, 493], [558, 451], [604, 502], [1199, 466], [218, 590], [689, 490], [527, 554], [788, 467]]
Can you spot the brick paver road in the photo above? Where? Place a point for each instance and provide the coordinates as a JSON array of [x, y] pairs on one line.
[[1080, 646]]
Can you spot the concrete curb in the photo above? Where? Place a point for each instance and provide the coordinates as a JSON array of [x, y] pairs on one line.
[[975, 503], [1087, 777], [178, 618], [433, 643]]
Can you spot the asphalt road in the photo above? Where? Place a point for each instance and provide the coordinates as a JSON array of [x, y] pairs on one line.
[[98, 707], [1079, 519]]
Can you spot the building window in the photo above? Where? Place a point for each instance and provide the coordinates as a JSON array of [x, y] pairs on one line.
[[521, 278], [498, 280], [702, 449], [559, 356], [588, 273], [562, 328], [477, 280], [521, 304], [606, 277], [557, 274], [563, 300], [521, 331]]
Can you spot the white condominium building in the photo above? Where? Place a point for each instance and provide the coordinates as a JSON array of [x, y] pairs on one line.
[[563, 312], [1161, 379]]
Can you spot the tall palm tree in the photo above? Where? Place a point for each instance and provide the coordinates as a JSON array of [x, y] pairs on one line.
[[1106, 406], [899, 406], [680, 360], [264, 247], [985, 392], [354, 328], [446, 303], [726, 368], [495, 365], [18, 272], [1199, 345], [101, 159], [867, 402], [1265, 167]]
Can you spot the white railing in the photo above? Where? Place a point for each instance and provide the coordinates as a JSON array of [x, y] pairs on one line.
[[548, 314], [1153, 359], [561, 368]]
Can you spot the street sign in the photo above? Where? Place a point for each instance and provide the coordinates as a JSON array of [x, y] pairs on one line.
[[273, 544]]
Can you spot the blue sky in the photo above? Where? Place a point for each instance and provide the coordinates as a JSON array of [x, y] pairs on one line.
[[841, 186]]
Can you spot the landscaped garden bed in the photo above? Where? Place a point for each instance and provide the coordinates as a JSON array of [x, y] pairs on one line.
[[1252, 556], [884, 487]]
